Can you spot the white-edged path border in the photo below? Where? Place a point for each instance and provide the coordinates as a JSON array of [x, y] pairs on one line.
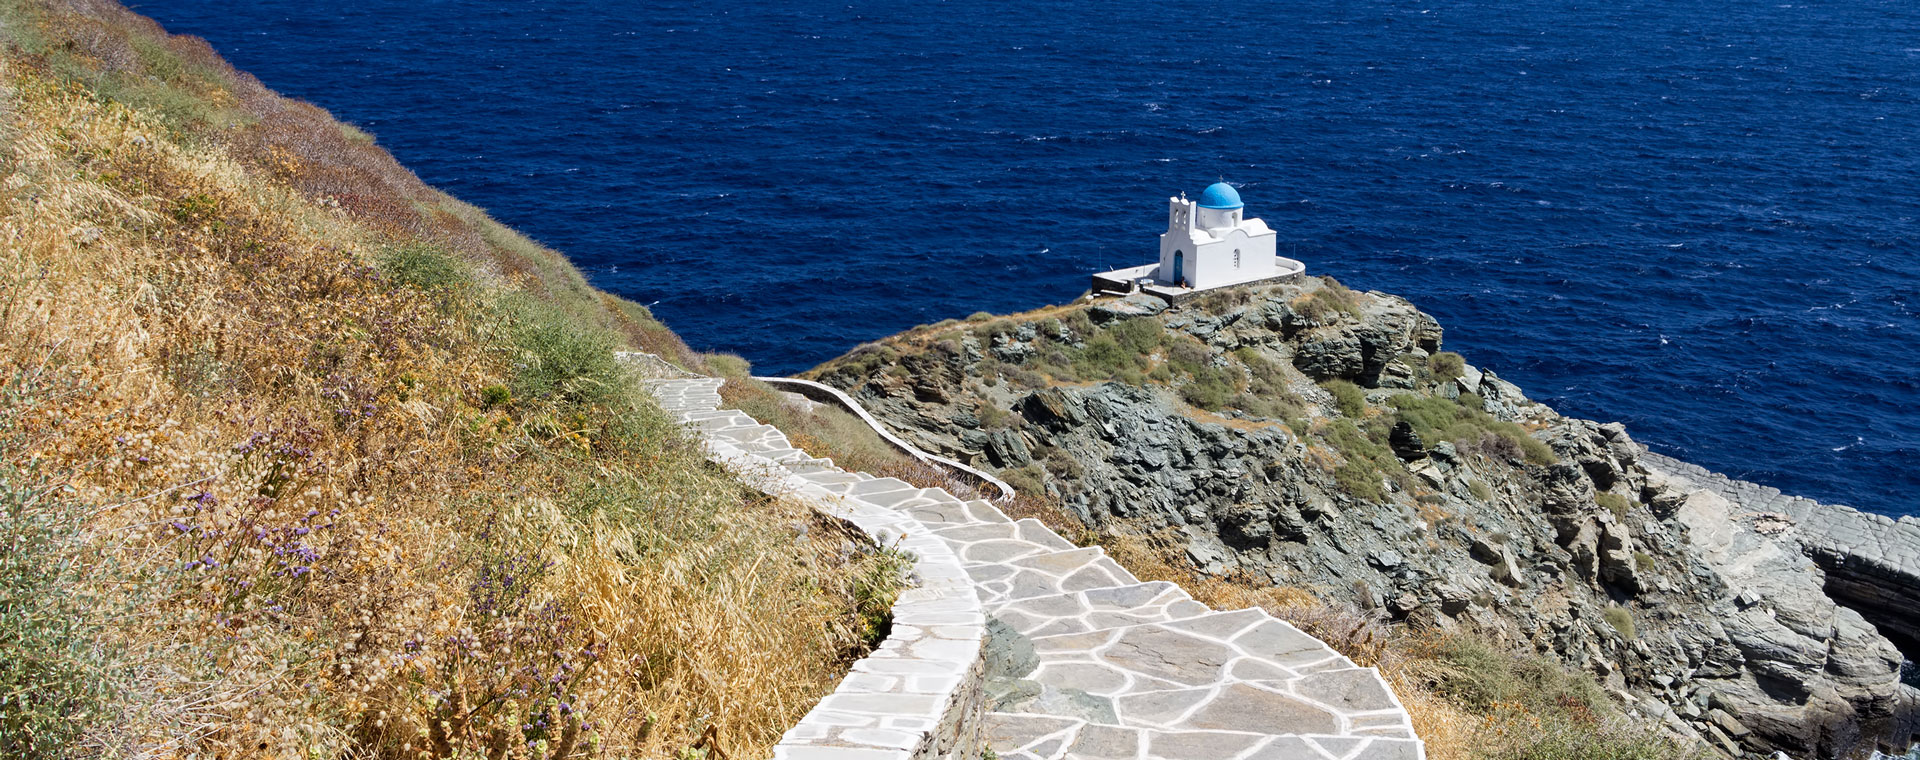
[[919, 695]]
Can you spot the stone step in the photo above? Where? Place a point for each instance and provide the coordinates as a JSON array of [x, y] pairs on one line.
[[1025, 736], [753, 438], [1190, 652], [1001, 541], [952, 512], [809, 466], [719, 420], [790, 458], [1048, 574], [833, 479], [1241, 671], [893, 493], [1097, 609], [703, 415]]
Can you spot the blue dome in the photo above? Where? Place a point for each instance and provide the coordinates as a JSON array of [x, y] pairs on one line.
[[1221, 195]]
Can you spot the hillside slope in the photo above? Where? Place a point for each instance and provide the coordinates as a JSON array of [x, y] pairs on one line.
[[1308, 438], [301, 457]]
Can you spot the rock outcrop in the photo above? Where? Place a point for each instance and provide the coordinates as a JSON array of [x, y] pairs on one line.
[[1872, 562], [1319, 438]]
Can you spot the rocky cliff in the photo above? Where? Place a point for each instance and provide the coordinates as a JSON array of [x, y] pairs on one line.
[[1305, 435]]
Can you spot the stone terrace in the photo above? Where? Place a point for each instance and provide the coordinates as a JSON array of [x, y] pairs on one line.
[[1016, 640]]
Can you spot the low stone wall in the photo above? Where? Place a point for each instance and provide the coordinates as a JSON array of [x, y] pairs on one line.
[[920, 695], [1121, 281], [829, 394]]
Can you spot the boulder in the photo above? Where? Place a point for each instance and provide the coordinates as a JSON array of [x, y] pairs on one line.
[[1135, 305], [1328, 353], [1007, 449], [1053, 408], [1406, 443]]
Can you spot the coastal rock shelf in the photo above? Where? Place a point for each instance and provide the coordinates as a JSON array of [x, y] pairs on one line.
[[1014, 639], [1872, 561]]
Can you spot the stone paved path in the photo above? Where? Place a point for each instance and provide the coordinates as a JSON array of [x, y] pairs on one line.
[[1085, 660]]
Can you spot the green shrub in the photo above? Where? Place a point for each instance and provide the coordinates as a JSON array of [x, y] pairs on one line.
[[980, 316], [876, 588], [1479, 677], [1331, 300], [1643, 562], [1209, 389], [422, 266], [1531, 448], [1267, 394], [1028, 480], [1568, 739], [1535, 708], [1360, 480], [495, 396], [1351, 440], [1028, 379], [1062, 463], [729, 365], [1138, 336], [1368, 459], [1614, 503], [1348, 398], [184, 94], [1119, 353], [1621, 620], [1480, 489], [1462, 421], [559, 359], [1273, 407], [356, 134], [1102, 357], [1185, 354], [57, 677], [991, 416], [1447, 365], [1052, 359]]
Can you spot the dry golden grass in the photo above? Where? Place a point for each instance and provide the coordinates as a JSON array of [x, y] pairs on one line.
[[330, 536]]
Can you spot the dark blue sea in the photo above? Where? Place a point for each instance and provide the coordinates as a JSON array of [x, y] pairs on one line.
[[1700, 217]]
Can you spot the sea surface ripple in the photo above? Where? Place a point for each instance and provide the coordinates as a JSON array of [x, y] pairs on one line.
[[1695, 217]]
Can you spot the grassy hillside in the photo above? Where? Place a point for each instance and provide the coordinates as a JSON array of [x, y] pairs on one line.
[[301, 457]]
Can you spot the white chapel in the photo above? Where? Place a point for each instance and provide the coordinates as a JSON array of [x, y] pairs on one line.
[[1209, 243]]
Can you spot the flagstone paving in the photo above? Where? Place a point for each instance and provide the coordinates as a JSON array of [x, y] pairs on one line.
[[1081, 659]]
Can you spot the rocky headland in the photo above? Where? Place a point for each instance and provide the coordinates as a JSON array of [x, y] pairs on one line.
[[1304, 435]]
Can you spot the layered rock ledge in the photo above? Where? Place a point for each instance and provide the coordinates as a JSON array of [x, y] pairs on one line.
[[1872, 562]]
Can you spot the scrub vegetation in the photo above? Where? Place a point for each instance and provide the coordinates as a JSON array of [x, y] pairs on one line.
[[1064, 346], [300, 457]]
